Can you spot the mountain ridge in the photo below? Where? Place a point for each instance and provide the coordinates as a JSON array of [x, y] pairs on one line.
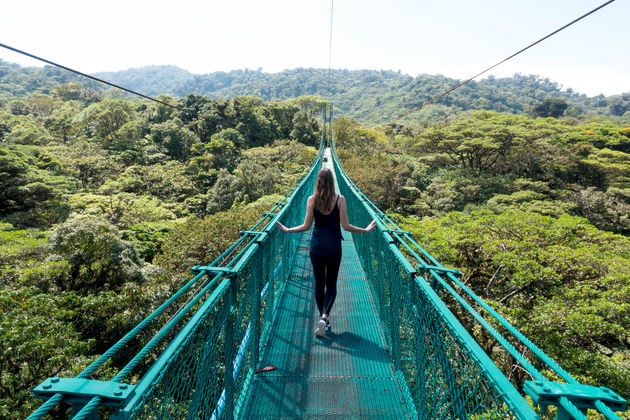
[[370, 96]]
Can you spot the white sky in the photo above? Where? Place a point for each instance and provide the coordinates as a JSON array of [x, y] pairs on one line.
[[457, 38]]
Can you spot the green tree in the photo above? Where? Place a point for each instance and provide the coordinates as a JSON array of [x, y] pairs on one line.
[[254, 120], [619, 104], [30, 195], [74, 91], [167, 181], [174, 137], [41, 105], [38, 340], [98, 258], [18, 107], [309, 104], [283, 113], [609, 210], [104, 118], [305, 129], [26, 130], [214, 116], [562, 282], [158, 113], [550, 107], [222, 195], [254, 181], [224, 151], [204, 239]]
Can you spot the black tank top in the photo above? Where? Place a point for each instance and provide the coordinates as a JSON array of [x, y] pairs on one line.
[[326, 238]]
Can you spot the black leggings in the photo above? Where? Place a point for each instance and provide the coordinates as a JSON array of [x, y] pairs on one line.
[[325, 270]]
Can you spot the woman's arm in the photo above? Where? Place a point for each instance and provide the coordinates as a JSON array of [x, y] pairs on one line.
[[343, 218], [308, 218]]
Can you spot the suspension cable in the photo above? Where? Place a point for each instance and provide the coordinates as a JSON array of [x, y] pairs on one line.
[[500, 62], [91, 77], [330, 38]]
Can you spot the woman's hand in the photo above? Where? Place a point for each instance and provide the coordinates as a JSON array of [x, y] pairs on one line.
[[370, 226], [282, 227]]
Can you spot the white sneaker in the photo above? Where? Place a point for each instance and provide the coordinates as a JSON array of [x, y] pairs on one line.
[[320, 331]]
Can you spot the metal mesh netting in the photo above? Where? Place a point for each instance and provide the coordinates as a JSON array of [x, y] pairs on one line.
[[208, 365], [195, 382], [433, 353], [445, 380], [192, 380]]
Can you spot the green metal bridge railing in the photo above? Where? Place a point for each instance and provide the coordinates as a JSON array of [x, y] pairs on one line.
[[224, 314], [448, 373], [202, 359]]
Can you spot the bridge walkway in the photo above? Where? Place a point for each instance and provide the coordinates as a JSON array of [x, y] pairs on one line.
[[346, 374]]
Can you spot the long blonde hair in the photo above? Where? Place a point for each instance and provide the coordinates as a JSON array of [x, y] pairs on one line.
[[324, 191]]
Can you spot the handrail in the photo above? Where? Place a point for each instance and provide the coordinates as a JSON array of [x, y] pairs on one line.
[[220, 282], [427, 265], [208, 365], [410, 284]]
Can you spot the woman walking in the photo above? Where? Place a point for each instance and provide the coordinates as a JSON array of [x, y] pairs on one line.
[[329, 210]]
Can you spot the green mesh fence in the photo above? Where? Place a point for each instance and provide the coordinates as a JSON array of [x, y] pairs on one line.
[[231, 328], [447, 372], [448, 376], [201, 361], [203, 357]]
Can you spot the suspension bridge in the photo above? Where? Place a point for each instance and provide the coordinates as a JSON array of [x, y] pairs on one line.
[[237, 341]]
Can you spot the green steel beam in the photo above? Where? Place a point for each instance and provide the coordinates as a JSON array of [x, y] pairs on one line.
[[113, 394], [545, 393]]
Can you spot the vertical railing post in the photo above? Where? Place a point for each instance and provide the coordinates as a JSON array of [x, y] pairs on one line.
[[395, 309], [272, 282], [330, 116], [444, 361], [260, 275], [324, 128], [230, 301]]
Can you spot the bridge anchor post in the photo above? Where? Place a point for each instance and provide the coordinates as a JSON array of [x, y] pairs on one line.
[[583, 397], [79, 392]]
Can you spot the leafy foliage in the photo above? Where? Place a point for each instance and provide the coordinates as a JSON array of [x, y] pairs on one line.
[[377, 97], [496, 196], [98, 258], [562, 282], [106, 202], [370, 96], [495, 161]]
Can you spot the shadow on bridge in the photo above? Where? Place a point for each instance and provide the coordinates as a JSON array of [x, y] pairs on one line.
[[348, 373]]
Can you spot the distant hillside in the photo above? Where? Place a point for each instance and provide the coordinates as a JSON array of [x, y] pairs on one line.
[[150, 80], [16, 80], [370, 96]]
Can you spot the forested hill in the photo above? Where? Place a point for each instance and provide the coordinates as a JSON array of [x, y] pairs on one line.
[[106, 202], [373, 96], [370, 96]]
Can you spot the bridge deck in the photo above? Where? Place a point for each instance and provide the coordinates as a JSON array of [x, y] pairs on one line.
[[346, 374]]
